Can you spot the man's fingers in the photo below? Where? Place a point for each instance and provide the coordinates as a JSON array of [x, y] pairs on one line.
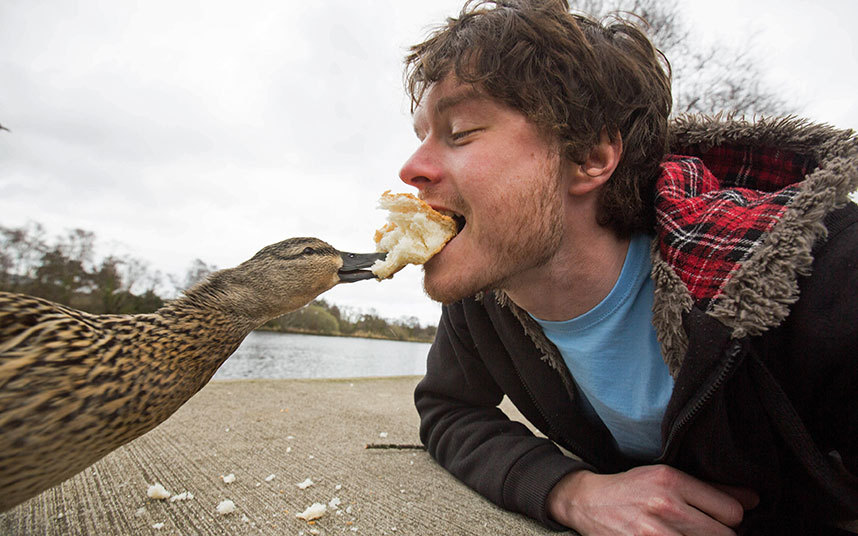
[[713, 501], [748, 498]]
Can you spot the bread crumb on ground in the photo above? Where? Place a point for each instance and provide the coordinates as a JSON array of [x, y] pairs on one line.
[[269, 478], [184, 496], [314, 511], [226, 507], [157, 492], [305, 484], [228, 479]]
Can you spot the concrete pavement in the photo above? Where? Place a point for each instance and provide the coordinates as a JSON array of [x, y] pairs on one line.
[[294, 430]]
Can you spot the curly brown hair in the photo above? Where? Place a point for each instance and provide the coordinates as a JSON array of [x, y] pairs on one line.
[[572, 77]]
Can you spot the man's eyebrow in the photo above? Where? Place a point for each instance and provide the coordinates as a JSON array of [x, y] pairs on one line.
[[445, 103]]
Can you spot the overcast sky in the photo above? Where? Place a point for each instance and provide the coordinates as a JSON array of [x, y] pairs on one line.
[[179, 129]]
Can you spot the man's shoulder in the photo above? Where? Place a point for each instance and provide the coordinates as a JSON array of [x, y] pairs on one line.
[[841, 225], [828, 295]]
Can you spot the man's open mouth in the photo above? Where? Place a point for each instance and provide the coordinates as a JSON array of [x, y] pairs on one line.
[[458, 218]]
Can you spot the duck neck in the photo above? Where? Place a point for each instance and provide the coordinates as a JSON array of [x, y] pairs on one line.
[[206, 325], [225, 294], [211, 326]]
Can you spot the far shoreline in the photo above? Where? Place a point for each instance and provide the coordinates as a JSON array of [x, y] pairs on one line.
[[356, 335]]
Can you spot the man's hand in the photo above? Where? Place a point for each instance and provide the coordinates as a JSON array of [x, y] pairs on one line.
[[649, 500]]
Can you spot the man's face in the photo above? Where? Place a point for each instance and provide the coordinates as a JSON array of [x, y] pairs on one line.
[[489, 166]]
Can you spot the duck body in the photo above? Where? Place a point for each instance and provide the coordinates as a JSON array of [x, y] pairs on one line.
[[76, 386]]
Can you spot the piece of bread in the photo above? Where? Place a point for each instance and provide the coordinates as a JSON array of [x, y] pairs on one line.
[[413, 234]]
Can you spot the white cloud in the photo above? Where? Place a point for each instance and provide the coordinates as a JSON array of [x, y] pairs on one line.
[[184, 129]]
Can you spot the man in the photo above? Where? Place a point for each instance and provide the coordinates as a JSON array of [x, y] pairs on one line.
[[685, 325]]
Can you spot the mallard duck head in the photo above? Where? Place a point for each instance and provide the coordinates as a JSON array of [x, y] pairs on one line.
[[283, 277]]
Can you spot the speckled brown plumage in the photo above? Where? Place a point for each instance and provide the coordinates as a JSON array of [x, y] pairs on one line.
[[75, 386]]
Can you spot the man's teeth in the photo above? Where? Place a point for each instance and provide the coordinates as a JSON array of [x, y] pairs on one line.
[[458, 218]]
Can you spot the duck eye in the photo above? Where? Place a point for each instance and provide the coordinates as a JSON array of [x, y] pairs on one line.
[[309, 251]]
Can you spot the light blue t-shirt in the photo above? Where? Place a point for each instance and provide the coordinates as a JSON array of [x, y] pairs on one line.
[[615, 359]]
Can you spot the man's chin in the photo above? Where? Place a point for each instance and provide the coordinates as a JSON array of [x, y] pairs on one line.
[[447, 291], [440, 294]]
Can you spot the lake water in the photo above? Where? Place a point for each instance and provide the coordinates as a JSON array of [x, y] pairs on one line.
[[285, 355]]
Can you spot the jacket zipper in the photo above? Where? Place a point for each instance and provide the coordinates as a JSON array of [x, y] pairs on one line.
[[574, 447], [689, 413]]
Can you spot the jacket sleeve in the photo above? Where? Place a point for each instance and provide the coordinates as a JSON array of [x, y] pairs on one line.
[[465, 431]]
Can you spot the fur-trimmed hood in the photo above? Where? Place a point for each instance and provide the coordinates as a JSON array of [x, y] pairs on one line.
[[738, 214]]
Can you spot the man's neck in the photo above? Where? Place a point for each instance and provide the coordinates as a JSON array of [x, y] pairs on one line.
[[581, 274]]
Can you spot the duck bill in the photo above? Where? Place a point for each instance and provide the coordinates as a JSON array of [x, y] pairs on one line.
[[355, 266]]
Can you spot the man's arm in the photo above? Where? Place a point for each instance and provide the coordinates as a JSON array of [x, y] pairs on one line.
[[465, 431]]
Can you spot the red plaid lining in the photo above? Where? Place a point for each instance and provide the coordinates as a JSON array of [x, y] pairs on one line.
[[767, 169], [708, 228]]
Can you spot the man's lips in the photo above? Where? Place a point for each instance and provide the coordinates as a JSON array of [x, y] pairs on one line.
[[457, 217], [443, 210]]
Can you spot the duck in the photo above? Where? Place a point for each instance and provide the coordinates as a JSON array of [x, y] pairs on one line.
[[75, 386]]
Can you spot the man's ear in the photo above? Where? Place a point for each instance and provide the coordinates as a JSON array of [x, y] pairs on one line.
[[598, 166]]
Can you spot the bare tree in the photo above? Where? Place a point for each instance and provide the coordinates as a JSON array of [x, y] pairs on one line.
[[706, 79], [21, 250], [197, 271], [108, 285], [78, 245], [137, 277]]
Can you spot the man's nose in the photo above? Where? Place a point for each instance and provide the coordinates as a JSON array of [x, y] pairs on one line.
[[421, 169]]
